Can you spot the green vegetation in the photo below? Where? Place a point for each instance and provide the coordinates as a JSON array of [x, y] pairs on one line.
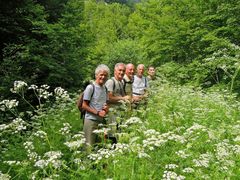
[[182, 133], [59, 42], [190, 127]]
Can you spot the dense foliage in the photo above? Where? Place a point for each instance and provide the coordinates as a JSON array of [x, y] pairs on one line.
[[182, 133], [59, 42], [188, 131]]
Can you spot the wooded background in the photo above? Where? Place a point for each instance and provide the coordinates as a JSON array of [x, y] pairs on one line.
[[60, 42]]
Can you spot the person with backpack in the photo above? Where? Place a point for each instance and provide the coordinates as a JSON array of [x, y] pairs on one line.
[[116, 93], [128, 78], [140, 84], [95, 98], [128, 81]]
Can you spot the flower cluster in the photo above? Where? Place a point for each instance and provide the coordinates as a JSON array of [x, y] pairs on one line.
[[203, 160], [101, 154], [155, 139], [188, 170], [18, 86], [182, 154], [73, 145], [13, 163], [121, 148], [8, 104], [171, 166], [78, 140], [168, 175], [18, 125], [52, 158], [101, 131], [193, 128], [66, 129], [61, 94], [4, 176], [33, 87], [40, 134], [133, 120], [43, 92], [15, 126], [33, 156]]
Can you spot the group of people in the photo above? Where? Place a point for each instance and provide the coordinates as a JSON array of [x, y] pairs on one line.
[[107, 92]]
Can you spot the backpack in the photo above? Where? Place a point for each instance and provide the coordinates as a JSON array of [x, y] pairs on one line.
[[80, 102]]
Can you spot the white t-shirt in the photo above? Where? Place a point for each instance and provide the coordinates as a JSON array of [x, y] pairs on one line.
[[139, 85]]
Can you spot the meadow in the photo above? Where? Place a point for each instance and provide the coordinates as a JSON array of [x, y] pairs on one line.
[[181, 133]]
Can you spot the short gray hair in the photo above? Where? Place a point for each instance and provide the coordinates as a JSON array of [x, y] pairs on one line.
[[140, 65], [102, 67], [119, 64]]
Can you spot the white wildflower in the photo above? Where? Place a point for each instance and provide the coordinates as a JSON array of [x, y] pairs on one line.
[[3, 127], [66, 129], [182, 154], [188, 170], [80, 135], [12, 162], [33, 86], [171, 166], [168, 175], [203, 160], [40, 134], [133, 120], [143, 155], [4, 176], [41, 163], [53, 154], [73, 145], [61, 94], [8, 104], [18, 86]]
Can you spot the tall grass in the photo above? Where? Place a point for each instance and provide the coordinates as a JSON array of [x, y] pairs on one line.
[[182, 133]]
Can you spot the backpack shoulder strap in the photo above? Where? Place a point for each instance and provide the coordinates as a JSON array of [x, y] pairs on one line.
[[124, 85], [106, 89], [113, 83], [145, 82], [93, 90]]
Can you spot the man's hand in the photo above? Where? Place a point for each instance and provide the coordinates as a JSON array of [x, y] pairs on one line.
[[102, 113], [137, 98], [105, 107], [127, 98]]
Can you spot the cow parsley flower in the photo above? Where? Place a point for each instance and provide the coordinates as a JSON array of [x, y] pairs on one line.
[[18, 86], [8, 104]]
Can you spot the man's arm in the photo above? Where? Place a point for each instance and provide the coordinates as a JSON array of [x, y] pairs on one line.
[[115, 99]]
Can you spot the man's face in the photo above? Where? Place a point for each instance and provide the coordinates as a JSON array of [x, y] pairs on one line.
[[151, 71], [140, 71], [119, 72], [101, 77], [130, 71]]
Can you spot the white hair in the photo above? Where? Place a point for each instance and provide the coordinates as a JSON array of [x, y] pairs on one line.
[[102, 67]]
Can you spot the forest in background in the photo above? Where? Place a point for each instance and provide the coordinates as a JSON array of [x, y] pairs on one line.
[[189, 128], [60, 42]]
